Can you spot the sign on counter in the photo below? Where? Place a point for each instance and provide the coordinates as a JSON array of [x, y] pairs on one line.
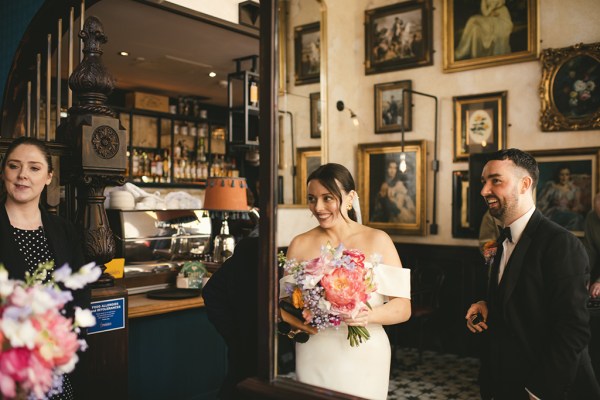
[[110, 315]]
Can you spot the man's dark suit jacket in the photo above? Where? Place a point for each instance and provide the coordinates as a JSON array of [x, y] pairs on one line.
[[230, 298], [538, 321]]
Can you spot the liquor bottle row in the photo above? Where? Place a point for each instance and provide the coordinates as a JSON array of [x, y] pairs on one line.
[[155, 166]]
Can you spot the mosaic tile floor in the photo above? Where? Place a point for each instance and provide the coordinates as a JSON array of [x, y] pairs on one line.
[[439, 377]]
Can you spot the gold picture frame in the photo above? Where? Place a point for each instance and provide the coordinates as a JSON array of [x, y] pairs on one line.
[[515, 28], [479, 124], [567, 184], [569, 93], [395, 204], [307, 160]]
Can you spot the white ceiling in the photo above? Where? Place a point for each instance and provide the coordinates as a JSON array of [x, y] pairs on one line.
[[170, 53]]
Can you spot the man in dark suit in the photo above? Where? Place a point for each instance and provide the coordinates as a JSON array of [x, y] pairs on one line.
[[535, 316]]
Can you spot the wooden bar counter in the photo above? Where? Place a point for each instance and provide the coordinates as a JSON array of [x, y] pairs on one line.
[[142, 306]]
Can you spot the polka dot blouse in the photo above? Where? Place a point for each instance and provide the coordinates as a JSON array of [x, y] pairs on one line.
[[34, 246]]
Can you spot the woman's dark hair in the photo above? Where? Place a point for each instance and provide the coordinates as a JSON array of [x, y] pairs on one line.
[[329, 175], [558, 170], [30, 141]]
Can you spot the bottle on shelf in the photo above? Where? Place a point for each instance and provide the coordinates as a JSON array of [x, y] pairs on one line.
[[166, 161], [253, 93], [135, 164], [158, 169]]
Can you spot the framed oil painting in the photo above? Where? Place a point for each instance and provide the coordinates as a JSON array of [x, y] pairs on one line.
[[461, 222], [479, 124], [398, 36], [486, 33], [569, 88], [308, 159], [307, 54], [567, 185], [392, 200], [390, 110], [315, 115]]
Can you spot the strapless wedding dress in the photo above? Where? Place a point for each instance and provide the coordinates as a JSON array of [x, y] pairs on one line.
[[328, 360]]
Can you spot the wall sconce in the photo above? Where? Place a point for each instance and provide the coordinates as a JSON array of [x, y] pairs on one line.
[[433, 228], [353, 117]]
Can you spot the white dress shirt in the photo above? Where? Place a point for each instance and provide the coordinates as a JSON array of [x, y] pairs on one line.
[[516, 231]]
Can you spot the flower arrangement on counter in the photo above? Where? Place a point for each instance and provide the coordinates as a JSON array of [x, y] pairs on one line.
[[39, 343], [336, 285]]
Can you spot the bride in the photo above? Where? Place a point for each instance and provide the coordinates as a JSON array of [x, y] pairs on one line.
[[327, 359]]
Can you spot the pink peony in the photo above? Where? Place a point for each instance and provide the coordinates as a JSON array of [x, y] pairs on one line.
[[357, 257], [345, 289], [58, 342], [40, 376], [315, 266]]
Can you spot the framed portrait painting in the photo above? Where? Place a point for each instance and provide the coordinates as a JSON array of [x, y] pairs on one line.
[[398, 36], [569, 88], [307, 53], [393, 200], [486, 33], [308, 159], [393, 107], [567, 185], [479, 124], [315, 115]]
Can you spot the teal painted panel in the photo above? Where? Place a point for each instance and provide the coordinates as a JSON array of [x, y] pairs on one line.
[[15, 16], [178, 355]]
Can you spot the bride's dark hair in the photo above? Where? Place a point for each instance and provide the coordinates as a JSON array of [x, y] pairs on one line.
[[329, 175]]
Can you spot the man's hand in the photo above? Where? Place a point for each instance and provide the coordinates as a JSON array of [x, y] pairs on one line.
[[595, 289], [477, 308]]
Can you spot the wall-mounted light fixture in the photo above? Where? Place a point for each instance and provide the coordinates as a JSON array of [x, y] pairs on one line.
[[433, 228], [340, 106]]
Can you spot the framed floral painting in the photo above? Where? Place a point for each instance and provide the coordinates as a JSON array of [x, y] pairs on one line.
[[393, 186], [479, 124], [569, 88], [487, 33]]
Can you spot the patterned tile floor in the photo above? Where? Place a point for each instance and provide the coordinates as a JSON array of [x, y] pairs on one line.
[[439, 377]]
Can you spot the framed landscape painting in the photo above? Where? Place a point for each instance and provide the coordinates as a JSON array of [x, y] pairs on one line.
[[487, 33], [393, 200], [308, 159]]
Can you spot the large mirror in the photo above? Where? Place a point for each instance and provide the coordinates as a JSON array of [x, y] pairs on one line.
[[301, 113]]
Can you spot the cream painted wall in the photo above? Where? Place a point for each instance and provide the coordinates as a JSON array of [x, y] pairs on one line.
[[224, 9], [562, 23]]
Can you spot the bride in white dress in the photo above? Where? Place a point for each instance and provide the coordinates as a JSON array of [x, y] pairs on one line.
[[327, 359]]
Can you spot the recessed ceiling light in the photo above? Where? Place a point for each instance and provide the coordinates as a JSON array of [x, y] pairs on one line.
[[123, 53], [212, 74]]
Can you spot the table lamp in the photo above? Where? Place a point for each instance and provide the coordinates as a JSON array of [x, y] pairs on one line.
[[225, 195]]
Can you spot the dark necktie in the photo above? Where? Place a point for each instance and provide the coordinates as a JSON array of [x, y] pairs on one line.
[[504, 235]]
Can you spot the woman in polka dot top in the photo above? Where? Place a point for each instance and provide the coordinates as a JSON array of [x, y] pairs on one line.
[[28, 234]]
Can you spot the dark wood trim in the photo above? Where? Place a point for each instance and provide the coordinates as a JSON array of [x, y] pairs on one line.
[[267, 271]]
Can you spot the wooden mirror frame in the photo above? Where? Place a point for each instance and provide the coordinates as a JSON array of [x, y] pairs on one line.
[[266, 385]]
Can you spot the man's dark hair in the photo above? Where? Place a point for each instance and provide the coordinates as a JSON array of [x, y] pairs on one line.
[[521, 159]]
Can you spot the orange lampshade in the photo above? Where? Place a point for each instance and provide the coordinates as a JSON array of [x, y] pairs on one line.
[[226, 194]]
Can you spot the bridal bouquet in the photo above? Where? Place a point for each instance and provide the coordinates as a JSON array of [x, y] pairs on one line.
[[335, 285], [38, 343]]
